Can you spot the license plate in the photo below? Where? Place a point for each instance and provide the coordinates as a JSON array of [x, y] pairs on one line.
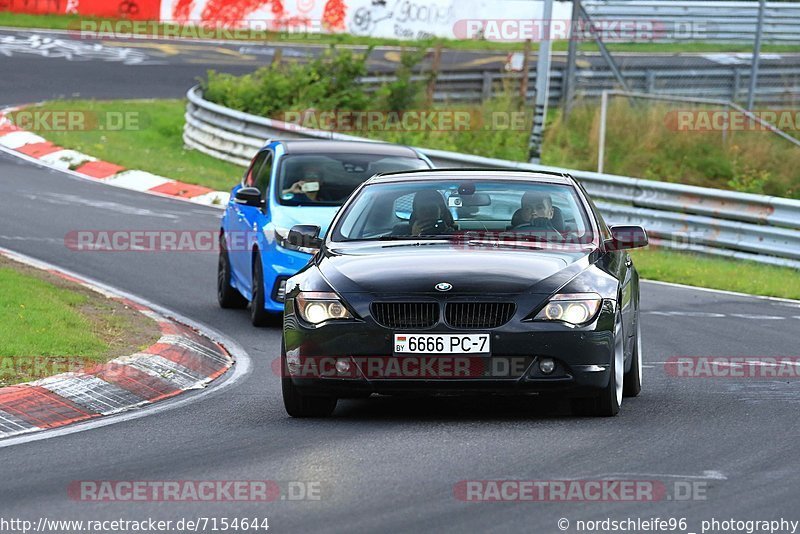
[[441, 343]]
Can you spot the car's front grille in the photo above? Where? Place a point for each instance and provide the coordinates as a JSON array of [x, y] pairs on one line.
[[406, 314], [479, 314]]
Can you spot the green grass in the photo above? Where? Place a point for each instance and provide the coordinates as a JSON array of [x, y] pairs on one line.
[[50, 325], [154, 145], [40, 319], [717, 273], [70, 22], [643, 141]]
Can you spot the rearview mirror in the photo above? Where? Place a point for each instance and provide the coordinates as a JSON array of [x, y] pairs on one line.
[[249, 196], [626, 236], [305, 236]]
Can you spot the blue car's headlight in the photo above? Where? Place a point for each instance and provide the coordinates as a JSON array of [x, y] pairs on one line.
[[282, 238]]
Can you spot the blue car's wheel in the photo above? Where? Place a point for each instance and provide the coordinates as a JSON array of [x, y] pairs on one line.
[[227, 295], [259, 316]]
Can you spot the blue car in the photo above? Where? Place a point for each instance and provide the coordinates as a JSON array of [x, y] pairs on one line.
[[288, 183]]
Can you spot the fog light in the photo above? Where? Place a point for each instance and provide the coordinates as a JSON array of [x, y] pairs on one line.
[[547, 365], [342, 366], [280, 292]]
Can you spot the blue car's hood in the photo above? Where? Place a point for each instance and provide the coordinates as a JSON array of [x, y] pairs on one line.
[[288, 216]]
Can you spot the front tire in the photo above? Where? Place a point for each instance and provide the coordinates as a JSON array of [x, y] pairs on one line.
[[607, 403], [633, 378], [227, 295], [298, 404], [259, 316]]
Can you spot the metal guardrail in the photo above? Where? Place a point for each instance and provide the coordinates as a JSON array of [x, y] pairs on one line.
[[776, 85], [714, 21], [712, 221]]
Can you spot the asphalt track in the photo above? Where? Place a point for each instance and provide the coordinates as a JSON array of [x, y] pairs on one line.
[[385, 464]]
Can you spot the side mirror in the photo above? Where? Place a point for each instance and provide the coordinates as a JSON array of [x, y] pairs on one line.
[[305, 236], [249, 196], [626, 236]]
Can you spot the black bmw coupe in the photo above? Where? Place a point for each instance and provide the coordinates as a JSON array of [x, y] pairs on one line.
[[455, 282]]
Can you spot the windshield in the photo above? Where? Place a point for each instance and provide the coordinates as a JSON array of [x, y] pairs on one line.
[[515, 211], [328, 179]]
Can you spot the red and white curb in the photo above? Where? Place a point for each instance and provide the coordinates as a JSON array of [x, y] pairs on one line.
[[181, 360], [33, 146]]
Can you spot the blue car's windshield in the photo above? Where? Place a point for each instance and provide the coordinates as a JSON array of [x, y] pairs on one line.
[[328, 179], [525, 212]]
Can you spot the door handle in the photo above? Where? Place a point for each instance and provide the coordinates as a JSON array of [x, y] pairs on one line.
[[628, 262]]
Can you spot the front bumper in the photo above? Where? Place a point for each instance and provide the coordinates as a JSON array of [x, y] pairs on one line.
[[279, 265], [583, 357]]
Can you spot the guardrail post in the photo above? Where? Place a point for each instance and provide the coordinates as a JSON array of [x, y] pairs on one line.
[[751, 96], [526, 71], [486, 85], [601, 145], [542, 85], [434, 74], [650, 81]]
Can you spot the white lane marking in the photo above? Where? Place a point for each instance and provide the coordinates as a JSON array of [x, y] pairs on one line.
[[706, 475], [711, 315], [722, 291], [685, 314], [116, 207], [241, 368], [15, 140], [137, 180], [757, 316], [66, 159]]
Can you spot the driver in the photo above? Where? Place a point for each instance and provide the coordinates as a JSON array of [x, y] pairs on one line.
[[308, 187], [536, 212], [429, 214]]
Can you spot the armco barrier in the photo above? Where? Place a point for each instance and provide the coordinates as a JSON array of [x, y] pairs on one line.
[[712, 221]]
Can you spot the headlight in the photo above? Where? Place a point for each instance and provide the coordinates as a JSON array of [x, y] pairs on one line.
[[572, 308], [318, 307], [282, 238]]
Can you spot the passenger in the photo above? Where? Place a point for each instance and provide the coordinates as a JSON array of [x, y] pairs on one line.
[[309, 187]]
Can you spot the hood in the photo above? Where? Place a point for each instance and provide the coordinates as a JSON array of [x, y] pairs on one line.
[[389, 268], [288, 216]]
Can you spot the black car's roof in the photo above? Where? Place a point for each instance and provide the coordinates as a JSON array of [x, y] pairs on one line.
[[438, 174], [322, 146]]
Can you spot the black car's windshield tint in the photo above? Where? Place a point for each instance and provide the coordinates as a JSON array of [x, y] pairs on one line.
[[328, 179], [528, 212]]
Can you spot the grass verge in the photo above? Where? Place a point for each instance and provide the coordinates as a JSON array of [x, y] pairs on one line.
[[151, 139], [717, 273], [72, 22], [50, 325]]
